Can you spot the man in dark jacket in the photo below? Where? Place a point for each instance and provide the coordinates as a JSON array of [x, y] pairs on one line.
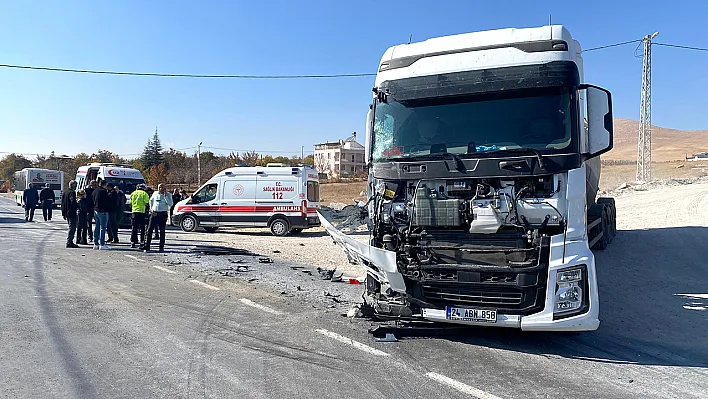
[[89, 195], [102, 206], [112, 222], [69, 208], [30, 198], [46, 197]]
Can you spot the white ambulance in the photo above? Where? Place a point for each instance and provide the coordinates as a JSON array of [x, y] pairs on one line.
[[285, 199], [125, 177]]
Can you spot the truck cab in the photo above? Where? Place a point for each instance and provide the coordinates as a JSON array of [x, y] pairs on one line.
[[484, 162]]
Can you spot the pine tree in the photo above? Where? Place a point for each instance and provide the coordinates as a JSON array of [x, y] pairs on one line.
[[152, 153]]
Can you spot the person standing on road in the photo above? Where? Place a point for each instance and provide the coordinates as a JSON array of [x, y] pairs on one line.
[[176, 197], [89, 195], [46, 197], [101, 207], [84, 209], [160, 203], [69, 208], [30, 198], [112, 229], [139, 201], [117, 212]]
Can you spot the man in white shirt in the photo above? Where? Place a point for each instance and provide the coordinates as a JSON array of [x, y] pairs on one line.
[[160, 203]]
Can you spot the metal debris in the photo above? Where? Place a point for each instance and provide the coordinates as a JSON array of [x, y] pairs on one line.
[[265, 260], [388, 338]]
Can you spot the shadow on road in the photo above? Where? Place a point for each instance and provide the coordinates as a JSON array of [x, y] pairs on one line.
[[8, 220], [653, 306]]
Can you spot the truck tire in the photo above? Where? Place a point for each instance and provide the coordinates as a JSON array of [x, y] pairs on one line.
[[601, 244], [188, 223], [279, 227], [613, 213]]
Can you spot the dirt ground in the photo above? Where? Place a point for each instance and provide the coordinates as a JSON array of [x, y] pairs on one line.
[[344, 193], [612, 176]]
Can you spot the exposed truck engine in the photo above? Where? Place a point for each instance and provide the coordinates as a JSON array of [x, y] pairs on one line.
[[483, 153]]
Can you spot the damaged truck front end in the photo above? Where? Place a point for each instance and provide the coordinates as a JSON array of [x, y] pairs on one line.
[[476, 258]]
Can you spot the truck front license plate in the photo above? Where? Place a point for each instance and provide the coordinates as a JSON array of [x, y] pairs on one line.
[[487, 316]]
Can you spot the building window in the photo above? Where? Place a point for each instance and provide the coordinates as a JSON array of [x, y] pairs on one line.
[[352, 169], [352, 158], [336, 156], [329, 155]]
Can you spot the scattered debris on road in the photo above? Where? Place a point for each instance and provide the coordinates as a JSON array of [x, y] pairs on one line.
[[220, 250], [388, 338], [265, 260]]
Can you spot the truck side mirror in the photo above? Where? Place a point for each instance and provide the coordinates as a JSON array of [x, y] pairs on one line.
[[599, 120]]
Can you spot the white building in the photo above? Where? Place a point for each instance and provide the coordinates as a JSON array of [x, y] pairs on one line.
[[340, 158]]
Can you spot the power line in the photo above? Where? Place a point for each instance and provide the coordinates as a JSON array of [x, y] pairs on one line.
[[611, 45], [679, 46], [187, 75]]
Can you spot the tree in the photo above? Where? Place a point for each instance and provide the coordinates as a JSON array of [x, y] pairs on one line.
[[250, 158], [157, 175], [309, 160], [11, 164], [152, 153], [105, 156]]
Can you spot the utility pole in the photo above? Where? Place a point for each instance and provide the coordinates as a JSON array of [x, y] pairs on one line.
[[199, 165], [645, 127], [302, 154]]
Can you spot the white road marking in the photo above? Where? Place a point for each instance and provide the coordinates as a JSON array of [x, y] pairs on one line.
[[464, 388], [258, 306], [694, 296], [205, 285], [134, 258], [349, 341], [166, 270]]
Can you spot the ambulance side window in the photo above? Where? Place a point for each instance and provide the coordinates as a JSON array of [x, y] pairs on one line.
[[206, 194]]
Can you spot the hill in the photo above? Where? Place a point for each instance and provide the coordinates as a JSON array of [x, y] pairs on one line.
[[667, 144]]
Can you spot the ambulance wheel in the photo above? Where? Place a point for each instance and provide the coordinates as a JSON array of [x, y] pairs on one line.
[[210, 229], [279, 227], [188, 223]]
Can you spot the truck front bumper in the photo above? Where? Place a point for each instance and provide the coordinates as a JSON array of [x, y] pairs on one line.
[[381, 265]]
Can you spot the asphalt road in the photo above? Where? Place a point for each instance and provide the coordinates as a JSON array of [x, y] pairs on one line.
[[112, 324]]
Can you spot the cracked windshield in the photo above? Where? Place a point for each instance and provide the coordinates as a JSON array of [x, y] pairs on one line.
[[285, 200]]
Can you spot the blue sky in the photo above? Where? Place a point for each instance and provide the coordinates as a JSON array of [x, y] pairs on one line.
[[70, 113]]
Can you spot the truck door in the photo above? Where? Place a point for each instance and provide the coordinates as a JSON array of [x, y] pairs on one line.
[[277, 194], [237, 206], [205, 205]]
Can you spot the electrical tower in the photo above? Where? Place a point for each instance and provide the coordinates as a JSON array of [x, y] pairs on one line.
[[644, 144]]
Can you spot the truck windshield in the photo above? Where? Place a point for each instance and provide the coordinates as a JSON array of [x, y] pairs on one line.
[[127, 186], [538, 119]]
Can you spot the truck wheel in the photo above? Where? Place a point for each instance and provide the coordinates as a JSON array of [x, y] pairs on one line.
[[601, 244], [610, 202], [279, 227], [210, 229], [608, 216], [188, 223]]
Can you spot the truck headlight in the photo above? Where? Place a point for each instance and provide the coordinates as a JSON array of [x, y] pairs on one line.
[[571, 292]]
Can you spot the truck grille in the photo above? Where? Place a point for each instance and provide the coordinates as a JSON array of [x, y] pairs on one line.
[[509, 293], [462, 296]]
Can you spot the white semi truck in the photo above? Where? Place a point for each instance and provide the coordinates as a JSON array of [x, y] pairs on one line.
[[483, 152]]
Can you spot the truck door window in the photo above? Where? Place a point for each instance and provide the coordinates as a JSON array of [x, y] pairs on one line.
[[206, 194]]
